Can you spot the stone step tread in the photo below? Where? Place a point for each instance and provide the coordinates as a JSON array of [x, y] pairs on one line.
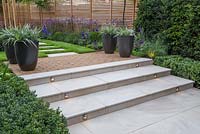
[[47, 47], [62, 54], [52, 50], [83, 68], [168, 114], [70, 85], [95, 101], [42, 43]]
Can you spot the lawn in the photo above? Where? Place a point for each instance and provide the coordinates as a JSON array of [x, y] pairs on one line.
[[3, 56], [68, 46]]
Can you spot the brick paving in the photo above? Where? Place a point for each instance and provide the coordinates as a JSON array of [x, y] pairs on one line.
[[70, 61]]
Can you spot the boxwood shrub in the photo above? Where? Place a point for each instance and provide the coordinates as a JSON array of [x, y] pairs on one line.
[[183, 67], [22, 113]]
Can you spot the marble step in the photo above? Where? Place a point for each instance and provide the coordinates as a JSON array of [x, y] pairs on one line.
[[89, 106], [59, 75], [177, 113], [70, 88]]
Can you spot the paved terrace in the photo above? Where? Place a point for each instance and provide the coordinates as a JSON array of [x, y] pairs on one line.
[[70, 61]]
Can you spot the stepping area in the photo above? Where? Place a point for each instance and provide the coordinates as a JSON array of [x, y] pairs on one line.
[[119, 96], [61, 54], [45, 48], [174, 114], [70, 61], [106, 94]]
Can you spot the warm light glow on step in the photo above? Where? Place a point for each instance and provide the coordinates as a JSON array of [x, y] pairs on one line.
[[177, 89], [85, 117], [66, 96], [137, 65], [155, 75], [52, 79]]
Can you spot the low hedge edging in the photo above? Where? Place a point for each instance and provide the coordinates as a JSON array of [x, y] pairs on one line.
[[22, 113], [183, 67]]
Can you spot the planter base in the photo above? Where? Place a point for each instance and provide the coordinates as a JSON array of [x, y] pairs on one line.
[[29, 67], [109, 44], [27, 56], [10, 54], [125, 44]]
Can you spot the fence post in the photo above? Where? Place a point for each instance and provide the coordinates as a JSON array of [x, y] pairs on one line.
[[134, 9], [29, 12], [91, 9], [111, 6], [72, 23], [14, 15], [4, 13], [9, 13], [71, 7], [55, 4]]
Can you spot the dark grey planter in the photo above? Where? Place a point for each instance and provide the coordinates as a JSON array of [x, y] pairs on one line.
[[27, 56], [10, 54], [109, 43], [125, 45], [1, 46]]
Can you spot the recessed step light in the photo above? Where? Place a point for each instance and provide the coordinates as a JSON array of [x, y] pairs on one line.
[[177, 89], [66, 96], [52, 79], [85, 117]]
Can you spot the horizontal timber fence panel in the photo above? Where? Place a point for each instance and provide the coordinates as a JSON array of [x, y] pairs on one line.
[[103, 11]]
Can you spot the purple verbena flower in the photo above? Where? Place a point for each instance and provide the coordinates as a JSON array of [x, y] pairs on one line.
[[45, 30]]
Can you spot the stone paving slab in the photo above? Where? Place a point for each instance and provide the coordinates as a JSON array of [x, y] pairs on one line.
[[95, 80], [61, 54], [70, 61], [187, 122], [47, 47], [111, 97], [52, 50], [41, 43], [174, 114]]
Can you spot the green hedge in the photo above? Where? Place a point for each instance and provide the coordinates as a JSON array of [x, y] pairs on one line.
[[177, 21], [183, 67], [22, 113]]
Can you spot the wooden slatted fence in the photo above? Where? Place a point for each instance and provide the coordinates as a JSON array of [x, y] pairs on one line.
[[103, 11]]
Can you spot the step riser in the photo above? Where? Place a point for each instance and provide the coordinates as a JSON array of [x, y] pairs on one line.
[[102, 87], [79, 74], [123, 105]]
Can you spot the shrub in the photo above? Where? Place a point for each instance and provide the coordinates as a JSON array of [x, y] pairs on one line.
[[58, 36], [183, 67], [72, 38], [108, 30], [124, 31], [21, 112], [151, 17], [176, 20], [151, 49]]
